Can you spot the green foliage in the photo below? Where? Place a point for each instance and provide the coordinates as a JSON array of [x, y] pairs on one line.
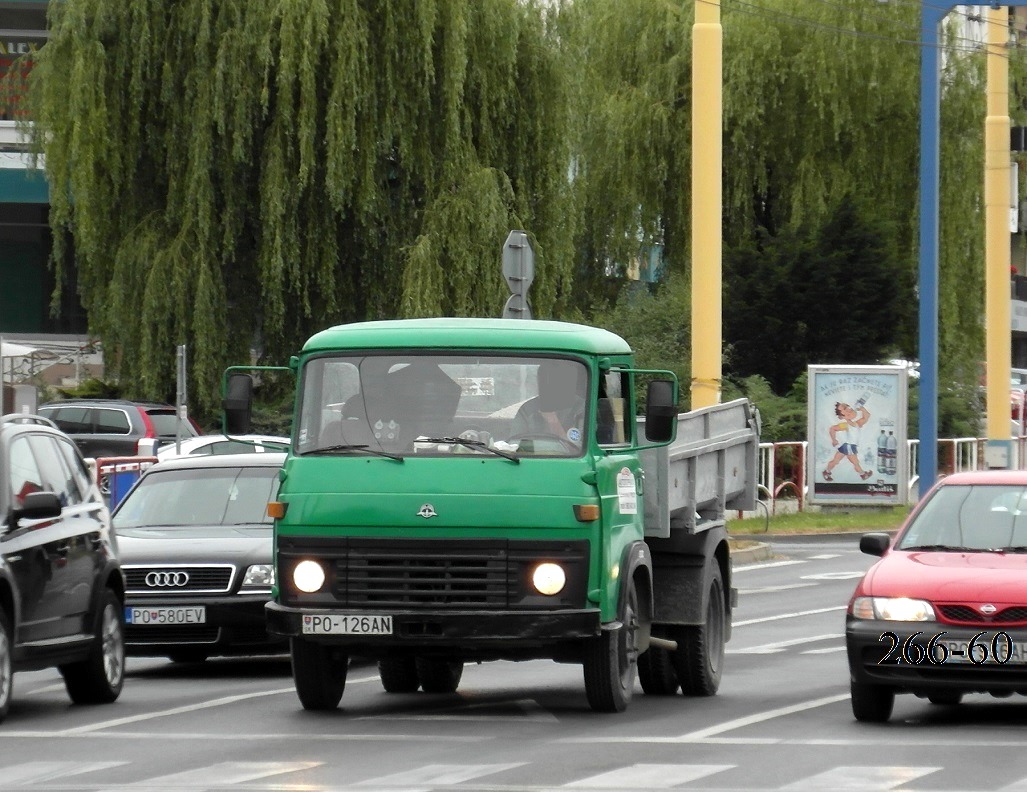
[[834, 295], [91, 389], [656, 325], [236, 175]]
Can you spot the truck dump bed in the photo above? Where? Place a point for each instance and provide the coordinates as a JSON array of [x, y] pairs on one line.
[[710, 469]]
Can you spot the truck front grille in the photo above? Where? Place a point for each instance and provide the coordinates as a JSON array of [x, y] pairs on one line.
[[411, 574]]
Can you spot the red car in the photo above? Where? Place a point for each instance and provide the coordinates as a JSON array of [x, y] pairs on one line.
[[944, 612]]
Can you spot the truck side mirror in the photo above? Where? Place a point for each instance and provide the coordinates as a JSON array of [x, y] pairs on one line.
[[238, 404], [660, 411]]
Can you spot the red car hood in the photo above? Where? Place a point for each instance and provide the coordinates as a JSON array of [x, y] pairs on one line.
[[950, 577]]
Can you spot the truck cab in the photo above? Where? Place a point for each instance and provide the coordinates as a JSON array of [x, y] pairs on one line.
[[468, 490]]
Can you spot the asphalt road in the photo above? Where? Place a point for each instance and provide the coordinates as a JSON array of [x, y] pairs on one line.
[[781, 721]]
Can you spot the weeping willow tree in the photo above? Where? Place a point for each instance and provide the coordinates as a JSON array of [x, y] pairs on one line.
[[821, 101], [230, 174]]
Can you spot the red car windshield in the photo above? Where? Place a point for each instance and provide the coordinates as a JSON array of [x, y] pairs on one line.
[[970, 518]]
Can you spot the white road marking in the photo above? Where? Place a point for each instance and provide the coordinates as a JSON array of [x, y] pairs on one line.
[[840, 778], [794, 615], [780, 646], [648, 776], [824, 556], [430, 776], [828, 650], [852, 575], [760, 717], [768, 565], [36, 772], [220, 774], [201, 705], [771, 589]]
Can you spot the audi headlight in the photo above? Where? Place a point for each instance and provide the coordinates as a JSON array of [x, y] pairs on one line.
[[549, 578], [892, 609], [308, 576], [259, 576]]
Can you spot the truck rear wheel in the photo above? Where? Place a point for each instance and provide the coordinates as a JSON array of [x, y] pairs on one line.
[[611, 660], [399, 674], [699, 660], [319, 673], [438, 675], [656, 670]]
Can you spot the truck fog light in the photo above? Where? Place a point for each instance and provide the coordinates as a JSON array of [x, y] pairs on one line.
[[549, 578], [308, 576]]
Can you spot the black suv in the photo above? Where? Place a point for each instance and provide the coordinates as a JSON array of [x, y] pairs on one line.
[[114, 427], [62, 590]]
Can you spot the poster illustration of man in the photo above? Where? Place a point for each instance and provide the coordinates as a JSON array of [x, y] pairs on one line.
[[845, 438], [857, 435]]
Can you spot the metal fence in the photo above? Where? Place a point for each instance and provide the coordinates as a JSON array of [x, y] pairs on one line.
[[782, 467]]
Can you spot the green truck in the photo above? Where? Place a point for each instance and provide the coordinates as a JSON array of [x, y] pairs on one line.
[[466, 490]]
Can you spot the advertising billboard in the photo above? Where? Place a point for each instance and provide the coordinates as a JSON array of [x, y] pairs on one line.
[[857, 451]]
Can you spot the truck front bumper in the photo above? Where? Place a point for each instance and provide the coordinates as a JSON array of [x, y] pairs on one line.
[[468, 629]]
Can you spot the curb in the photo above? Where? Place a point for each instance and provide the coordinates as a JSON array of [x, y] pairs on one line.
[[761, 551]]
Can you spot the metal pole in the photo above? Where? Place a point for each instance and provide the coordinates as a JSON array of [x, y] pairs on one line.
[[998, 451], [707, 196], [930, 110], [183, 410]]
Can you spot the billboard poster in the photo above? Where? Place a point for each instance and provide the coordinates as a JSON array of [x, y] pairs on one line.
[[857, 435]]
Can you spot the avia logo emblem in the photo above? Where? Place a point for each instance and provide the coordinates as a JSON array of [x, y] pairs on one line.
[[166, 579], [427, 511], [989, 609]]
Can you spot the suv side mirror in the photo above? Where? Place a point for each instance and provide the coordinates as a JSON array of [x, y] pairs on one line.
[[660, 411], [238, 404], [37, 506]]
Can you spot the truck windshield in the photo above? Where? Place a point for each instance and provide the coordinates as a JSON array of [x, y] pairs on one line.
[[438, 405]]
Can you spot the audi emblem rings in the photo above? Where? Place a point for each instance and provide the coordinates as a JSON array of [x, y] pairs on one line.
[[166, 579]]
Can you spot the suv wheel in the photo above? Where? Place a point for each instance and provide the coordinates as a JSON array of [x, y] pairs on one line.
[[5, 665], [98, 678]]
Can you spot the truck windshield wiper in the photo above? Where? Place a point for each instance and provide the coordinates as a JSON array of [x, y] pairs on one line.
[[472, 444], [345, 447], [941, 548]]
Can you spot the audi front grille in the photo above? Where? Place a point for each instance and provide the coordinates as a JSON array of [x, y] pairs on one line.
[[167, 579]]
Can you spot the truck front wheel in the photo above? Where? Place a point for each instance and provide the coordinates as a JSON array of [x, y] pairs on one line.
[[399, 674], [438, 675], [611, 660], [699, 660], [319, 673]]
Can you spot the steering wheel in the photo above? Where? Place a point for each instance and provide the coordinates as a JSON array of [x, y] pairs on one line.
[[568, 446]]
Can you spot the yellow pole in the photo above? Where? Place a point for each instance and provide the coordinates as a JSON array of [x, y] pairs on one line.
[[997, 255], [707, 122]]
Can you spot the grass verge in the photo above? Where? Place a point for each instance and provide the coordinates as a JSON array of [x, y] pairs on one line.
[[854, 519]]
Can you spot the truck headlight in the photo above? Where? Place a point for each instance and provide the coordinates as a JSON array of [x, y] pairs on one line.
[[892, 609], [549, 578], [259, 576], [308, 576]]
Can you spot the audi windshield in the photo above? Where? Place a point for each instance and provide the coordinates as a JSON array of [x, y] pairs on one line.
[[199, 497]]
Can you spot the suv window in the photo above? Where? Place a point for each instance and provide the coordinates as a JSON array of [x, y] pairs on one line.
[[74, 420], [111, 421], [56, 476], [25, 477], [165, 423], [76, 466]]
